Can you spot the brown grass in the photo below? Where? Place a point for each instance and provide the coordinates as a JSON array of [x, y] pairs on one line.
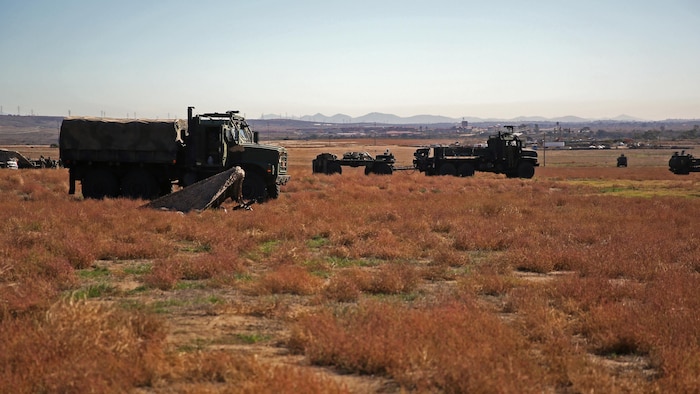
[[581, 279]]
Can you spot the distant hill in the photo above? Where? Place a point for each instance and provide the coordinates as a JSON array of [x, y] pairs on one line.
[[44, 130], [29, 130], [378, 117]]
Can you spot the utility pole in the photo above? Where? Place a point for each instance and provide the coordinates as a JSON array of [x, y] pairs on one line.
[[544, 147]]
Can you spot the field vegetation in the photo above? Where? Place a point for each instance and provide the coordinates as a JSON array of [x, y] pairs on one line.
[[582, 279]]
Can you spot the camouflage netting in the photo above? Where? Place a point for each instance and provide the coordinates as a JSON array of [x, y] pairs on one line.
[[207, 193], [22, 162]]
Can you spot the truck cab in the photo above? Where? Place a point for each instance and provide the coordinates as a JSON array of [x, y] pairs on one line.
[[218, 141]]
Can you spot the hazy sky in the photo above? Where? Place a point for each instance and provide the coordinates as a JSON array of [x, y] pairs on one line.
[[501, 58]]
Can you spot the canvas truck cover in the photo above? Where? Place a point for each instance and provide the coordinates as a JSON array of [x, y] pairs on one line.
[[118, 140]]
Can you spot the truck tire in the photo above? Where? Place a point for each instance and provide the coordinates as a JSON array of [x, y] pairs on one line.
[[99, 183], [140, 184], [448, 169], [273, 190], [526, 170], [383, 169], [379, 169], [254, 186], [334, 168], [466, 169]]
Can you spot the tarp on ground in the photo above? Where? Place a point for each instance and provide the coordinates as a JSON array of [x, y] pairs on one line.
[[22, 162], [205, 194]]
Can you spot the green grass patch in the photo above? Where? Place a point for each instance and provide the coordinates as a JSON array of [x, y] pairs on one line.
[[138, 269], [342, 262], [210, 300], [638, 189], [97, 272], [94, 291], [162, 307], [195, 247], [252, 338], [137, 290], [189, 284], [268, 247], [317, 242]]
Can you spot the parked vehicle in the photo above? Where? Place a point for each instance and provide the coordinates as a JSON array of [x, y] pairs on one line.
[[145, 158], [503, 154], [622, 160], [12, 164], [683, 163]]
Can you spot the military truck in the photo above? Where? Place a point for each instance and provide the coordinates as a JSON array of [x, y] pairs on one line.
[[683, 163], [503, 154], [145, 158]]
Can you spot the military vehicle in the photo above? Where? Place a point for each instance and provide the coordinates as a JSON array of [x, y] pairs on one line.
[[145, 158], [503, 154], [328, 163], [622, 160], [683, 163]]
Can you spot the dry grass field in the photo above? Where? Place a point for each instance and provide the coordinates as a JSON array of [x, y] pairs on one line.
[[585, 278]]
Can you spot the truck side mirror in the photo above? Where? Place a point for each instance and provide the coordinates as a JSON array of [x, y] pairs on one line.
[[256, 137]]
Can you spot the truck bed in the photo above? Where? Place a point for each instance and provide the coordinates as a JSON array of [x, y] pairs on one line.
[[119, 140]]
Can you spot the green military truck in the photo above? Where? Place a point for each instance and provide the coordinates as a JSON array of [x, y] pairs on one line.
[[503, 154], [145, 158]]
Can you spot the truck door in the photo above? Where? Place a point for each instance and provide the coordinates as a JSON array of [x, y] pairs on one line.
[[214, 144]]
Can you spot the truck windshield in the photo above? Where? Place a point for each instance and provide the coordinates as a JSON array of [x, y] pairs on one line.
[[244, 133]]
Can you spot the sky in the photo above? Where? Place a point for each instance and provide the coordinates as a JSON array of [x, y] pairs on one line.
[[497, 59]]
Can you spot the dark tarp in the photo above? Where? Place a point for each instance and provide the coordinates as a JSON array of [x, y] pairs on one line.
[[207, 193]]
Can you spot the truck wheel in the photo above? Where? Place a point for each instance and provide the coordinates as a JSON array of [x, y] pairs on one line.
[[526, 170], [334, 168], [254, 186], [382, 169], [140, 184], [448, 169], [466, 169], [273, 190], [99, 183]]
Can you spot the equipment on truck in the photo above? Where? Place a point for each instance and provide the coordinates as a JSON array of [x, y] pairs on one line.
[[328, 163], [144, 158], [683, 163], [503, 154]]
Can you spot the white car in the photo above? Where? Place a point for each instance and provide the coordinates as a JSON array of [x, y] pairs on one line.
[[12, 164]]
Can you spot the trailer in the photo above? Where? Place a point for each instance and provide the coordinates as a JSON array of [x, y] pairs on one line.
[[328, 163]]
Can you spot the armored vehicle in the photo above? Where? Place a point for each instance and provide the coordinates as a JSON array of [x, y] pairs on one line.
[[683, 163], [503, 154], [145, 158]]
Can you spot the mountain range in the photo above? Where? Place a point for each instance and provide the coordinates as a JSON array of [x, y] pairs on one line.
[[377, 117]]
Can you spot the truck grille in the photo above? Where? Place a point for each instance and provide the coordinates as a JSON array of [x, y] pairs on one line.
[[283, 163]]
